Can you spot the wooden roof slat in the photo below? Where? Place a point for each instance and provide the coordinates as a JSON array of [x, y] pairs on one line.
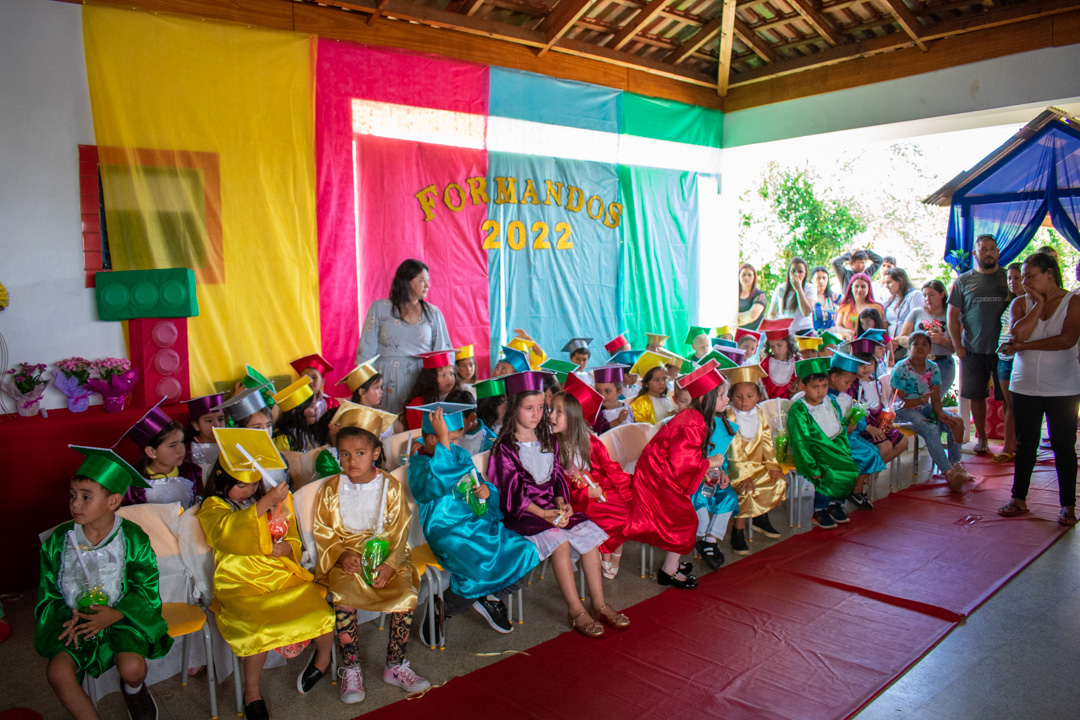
[[472, 7], [645, 16], [816, 20], [759, 46], [906, 19], [695, 41], [561, 19], [727, 43]]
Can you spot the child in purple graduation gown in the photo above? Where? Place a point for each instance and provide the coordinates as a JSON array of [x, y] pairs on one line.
[[532, 486]]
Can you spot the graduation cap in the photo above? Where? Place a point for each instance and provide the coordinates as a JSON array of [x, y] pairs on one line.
[[526, 381], [437, 359], [671, 358], [626, 357], [875, 335], [520, 343], [612, 346], [744, 374], [722, 361], [863, 345], [109, 470], [149, 425], [827, 339], [294, 395], [464, 353], [724, 342], [343, 407], [561, 368], [197, 407], [843, 361], [811, 366], [591, 401], [247, 454], [373, 420], [724, 330], [701, 381], [694, 331], [808, 342], [735, 354], [516, 359], [360, 374], [648, 360], [744, 333], [453, 415], [255, 379], [244, 404], [576, 344], [656, 339], [315, 361], [489, 388], [776, 329], [612, 373]]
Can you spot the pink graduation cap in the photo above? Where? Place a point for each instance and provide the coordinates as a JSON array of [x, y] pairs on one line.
[[197, 407], [608, 373], [530, 381], [149, 425], [612, 346]]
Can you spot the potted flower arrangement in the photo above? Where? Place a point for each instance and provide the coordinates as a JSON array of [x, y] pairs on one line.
[[74, 372], [25, 384], [114, 380]]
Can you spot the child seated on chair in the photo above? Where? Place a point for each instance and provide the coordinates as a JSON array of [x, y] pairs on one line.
[[98, 602], [476, 437], [608, 381], [463, 524], [715, 500], [874, 393], [361, 531], [169, 476], [843, 371]]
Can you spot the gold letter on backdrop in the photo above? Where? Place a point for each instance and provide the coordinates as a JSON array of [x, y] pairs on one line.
[[455, 207], [575, 199], [427, 198], [530, 193], [505, 189], [553, 189], [477, 190]]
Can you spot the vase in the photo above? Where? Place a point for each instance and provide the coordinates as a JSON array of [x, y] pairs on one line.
[[114, 404], [78, 404], [28, 408]]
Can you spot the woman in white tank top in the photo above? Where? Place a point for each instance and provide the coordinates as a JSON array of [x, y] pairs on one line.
[[1045, 381]]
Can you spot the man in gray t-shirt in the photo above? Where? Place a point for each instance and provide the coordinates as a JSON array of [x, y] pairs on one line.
[[977, 300]]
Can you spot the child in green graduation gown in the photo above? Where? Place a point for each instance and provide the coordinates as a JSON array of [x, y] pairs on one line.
[[465, 533], [819, 443], [98, 602]]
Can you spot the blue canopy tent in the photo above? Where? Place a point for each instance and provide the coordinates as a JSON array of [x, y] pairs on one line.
[[1011, 191]]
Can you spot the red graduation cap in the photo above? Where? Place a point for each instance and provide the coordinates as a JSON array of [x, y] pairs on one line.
[[590, 399], [776, 329], [702, 380], [315, 361], [613, 345], [741, 333], [437, 359]]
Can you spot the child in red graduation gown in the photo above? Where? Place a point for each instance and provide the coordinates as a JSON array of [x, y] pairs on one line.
[[599, 487], [669, 471], [780, 356]]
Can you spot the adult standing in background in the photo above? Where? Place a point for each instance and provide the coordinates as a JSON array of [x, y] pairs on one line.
[[977, 300], [752, 299], [901, 300], [792, 298], [888, 262], [933, 319], [824, 299], [1045, 381], [399, 328], [858, 261]]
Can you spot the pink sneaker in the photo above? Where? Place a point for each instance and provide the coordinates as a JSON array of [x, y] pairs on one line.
[[352, 685], [403, 676]]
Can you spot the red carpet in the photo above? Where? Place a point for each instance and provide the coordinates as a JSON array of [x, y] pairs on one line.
[[813, 627]]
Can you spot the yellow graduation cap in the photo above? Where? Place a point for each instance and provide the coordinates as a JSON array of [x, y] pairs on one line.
[[807, 342], [373, 420], [247, 453], [464, 353], [744, 374], [342, 408], [360, 374], [724, 330], [647, 362], [656, 338], [294, 395]]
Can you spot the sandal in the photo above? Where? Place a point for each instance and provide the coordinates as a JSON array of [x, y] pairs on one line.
[[956, 477], [981, 449], [1003, 457], [1066, 517], [613, 617], [1012, 510], [591, 629], [611, 569]]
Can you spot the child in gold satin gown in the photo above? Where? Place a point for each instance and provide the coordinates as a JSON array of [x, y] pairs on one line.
[[363, 503], [267, 599]]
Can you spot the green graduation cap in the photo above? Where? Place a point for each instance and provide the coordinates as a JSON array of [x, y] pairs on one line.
[[489, 388], [255, 379], [108, 469], [827, 338], [812, 366], [694, 331], [723, 362], [561, 368]]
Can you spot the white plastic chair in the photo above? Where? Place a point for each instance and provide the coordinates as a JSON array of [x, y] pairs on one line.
[[624, 443]]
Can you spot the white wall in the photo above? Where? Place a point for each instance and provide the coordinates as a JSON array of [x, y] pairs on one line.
[[44, 116]]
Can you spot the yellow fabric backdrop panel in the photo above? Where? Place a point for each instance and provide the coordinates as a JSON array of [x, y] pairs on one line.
[[206, 145]]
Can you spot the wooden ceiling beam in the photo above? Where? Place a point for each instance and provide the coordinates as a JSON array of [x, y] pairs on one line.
[[759, 46], [816, 20], [471, 7], [906, 20], [374, 17], [727, 43], [695, 41], [560, 20], [645, 16]]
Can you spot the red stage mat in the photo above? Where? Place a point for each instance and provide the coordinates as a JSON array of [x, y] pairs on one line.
[[813, 627]]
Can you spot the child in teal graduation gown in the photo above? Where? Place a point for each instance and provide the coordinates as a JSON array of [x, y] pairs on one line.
[[484, 557], [98, 602], [843, 372], [714, 511]]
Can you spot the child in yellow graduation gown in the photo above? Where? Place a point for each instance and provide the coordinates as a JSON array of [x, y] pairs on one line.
[[267, 599], [353, 508]]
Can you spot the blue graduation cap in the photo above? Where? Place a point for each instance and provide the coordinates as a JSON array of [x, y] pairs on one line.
[[453, 415], [842, 361], [724, 342], [626, 357], [516, 359], [874, 335]]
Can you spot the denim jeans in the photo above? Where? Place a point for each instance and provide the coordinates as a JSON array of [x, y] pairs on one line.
[[947, 365], [919, 419]]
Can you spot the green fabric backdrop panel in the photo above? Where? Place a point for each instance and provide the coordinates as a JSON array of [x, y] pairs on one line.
[[670, 120], [658, 282]]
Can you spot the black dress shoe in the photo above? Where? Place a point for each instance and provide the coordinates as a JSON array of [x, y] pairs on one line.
[[256, 710], [762, 525], [662, 578], [711, 553], [309, 676], [686, 568]]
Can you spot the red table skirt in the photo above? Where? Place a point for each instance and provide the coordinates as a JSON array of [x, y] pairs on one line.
[[35, 471]]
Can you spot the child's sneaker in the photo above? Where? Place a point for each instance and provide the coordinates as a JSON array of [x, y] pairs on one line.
[[824, 520], [141, 705], [765, 527], [403, 676], [861, 501], [838, 514], [352, 685], [738, 542], [494, 611]]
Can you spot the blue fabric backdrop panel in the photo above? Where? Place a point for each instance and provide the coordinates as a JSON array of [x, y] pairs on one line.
[[527, 96], [553, 257]]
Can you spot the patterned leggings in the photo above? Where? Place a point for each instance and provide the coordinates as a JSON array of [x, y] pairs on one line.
[[400, 622]]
